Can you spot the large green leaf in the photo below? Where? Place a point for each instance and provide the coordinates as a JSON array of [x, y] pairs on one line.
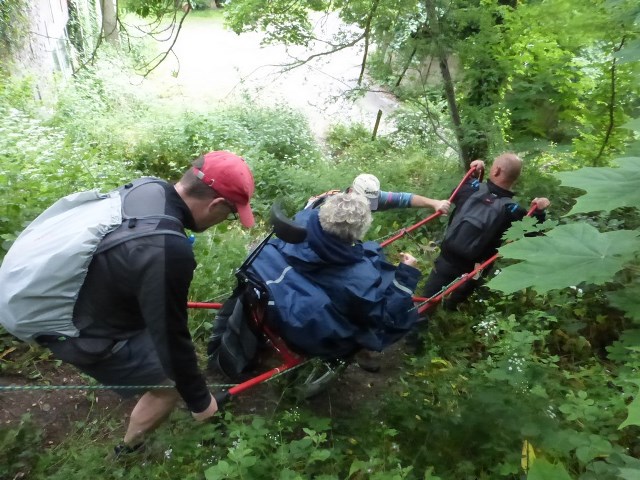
[[543, 470], [527, 225], [633, 409], [626, 299], [629, 473], [633, 148], [568, 255], [607, 188]]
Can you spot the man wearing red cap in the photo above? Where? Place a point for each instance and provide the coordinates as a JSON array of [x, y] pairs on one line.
[[131, 311], [228, 176]]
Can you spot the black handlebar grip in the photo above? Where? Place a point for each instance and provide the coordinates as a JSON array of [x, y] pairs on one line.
[[222, 398]]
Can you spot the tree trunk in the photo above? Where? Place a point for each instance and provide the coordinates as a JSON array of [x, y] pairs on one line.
[[110, 21], [367, 33], [406, 66], [433, 24], [74, 28]]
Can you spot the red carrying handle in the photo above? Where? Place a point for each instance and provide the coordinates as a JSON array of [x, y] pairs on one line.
[[213, 306], [410, 229], [289, 359]]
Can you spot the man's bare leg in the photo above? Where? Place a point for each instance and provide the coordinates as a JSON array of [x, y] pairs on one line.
[[151, 410]]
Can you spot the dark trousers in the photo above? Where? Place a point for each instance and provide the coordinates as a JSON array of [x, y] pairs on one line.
[[234, 343], [221, 322], [442, 274]]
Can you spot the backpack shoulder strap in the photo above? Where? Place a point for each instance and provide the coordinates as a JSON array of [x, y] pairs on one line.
[[481, 187], [142, 203], [508, 203], [144, 198]]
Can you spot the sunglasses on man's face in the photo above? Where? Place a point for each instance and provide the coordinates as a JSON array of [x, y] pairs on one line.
[[233, 210]]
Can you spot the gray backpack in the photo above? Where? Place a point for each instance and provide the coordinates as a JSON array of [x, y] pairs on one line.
[[43, 271]]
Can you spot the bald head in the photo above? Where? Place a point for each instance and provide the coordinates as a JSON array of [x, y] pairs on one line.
[[505, 170]]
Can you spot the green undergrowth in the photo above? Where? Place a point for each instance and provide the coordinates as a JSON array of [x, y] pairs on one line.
[[292, 443]]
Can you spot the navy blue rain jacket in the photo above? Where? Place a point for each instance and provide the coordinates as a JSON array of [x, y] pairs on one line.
[[329, 299]]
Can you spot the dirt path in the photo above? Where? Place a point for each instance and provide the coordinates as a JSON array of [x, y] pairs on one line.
[[215, 66], [57, 411]]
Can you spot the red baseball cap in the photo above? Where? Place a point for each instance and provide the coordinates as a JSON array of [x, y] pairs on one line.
[[230, 176]]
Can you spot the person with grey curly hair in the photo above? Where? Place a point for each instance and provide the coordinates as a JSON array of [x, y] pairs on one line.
[[329, 296], [346, 215], [368, 185]]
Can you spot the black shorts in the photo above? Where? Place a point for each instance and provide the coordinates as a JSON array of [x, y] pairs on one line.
[[131, 362]]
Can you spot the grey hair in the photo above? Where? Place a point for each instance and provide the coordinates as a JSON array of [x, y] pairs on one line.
[[346, 215]]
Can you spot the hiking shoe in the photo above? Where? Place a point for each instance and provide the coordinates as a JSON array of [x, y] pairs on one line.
[[413, 343], [122, 449], [368, 360]]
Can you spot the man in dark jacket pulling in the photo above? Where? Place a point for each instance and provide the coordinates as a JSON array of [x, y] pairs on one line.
[[450, 265], [134, 297]]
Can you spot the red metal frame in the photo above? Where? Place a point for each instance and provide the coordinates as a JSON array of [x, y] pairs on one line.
[[214, 306], [405, 231], [289, 358]]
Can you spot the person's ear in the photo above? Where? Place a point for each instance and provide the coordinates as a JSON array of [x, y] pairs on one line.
[[215, 202]]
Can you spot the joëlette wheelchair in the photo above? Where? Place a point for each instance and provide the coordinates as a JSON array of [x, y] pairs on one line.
[[243, 314]]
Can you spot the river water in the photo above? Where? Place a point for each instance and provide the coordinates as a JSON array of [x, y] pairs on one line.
[[214, 66]]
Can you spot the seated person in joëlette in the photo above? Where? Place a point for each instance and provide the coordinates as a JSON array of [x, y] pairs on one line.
[[326, 297]]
